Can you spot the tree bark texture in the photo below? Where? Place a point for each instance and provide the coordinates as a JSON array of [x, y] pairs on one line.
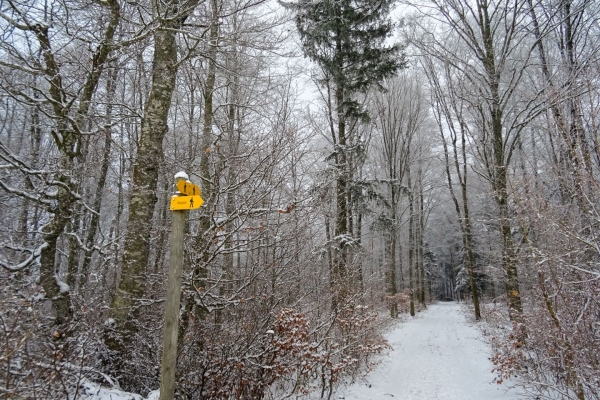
[[411, 244], [131, 288]]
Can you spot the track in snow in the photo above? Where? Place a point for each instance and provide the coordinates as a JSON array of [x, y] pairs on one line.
[[437, 355]]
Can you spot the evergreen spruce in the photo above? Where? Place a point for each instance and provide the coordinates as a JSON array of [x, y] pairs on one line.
[[346, 38]]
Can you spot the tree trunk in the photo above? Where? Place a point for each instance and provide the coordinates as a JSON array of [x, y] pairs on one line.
[[341, 224], [111, 86], [393, 290], [411, 243], [125, 303], [499, 169], [420, 242]]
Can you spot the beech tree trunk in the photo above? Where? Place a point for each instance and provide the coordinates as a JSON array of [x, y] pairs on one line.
[[411, 244], [421, 222], [131, 288]]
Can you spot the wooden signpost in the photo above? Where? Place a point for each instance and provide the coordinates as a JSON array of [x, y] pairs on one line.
[[187, 199]]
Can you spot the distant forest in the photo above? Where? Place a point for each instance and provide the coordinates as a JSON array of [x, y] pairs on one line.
[[358, 160]]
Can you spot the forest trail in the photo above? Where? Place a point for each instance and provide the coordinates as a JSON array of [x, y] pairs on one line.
[[438, 355]]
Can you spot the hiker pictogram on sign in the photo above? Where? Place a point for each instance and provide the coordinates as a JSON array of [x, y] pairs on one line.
[[185, 202], [188, 188]]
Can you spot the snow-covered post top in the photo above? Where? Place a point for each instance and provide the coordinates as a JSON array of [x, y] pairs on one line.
[[181, 175]]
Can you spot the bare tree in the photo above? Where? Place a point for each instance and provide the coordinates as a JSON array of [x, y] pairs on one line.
[[400, 113], [486, 48], [449, 113], [65, 99]]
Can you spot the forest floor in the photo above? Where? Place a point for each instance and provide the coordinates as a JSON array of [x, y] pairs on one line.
[[438, 355]]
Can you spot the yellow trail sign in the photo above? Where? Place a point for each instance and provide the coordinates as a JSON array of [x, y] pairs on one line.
[[186, 202], [188, 188]]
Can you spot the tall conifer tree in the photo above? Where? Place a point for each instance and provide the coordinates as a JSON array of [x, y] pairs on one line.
[[346, 38]]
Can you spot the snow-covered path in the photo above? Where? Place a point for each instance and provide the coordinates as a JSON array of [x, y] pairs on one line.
[[437, 355]]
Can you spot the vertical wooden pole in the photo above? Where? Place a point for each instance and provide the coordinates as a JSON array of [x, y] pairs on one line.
[[172, 302]]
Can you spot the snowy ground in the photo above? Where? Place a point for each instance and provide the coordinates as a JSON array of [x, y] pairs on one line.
[[93, 391], [437, 355]]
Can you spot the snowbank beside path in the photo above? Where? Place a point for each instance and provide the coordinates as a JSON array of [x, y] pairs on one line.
[[94, 391], [437, 355]]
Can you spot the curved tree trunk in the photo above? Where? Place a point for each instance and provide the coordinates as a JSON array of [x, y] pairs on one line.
[[67, 136]]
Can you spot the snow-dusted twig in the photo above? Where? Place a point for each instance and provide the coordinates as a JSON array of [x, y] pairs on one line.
[[24, 194], [34, 255]]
